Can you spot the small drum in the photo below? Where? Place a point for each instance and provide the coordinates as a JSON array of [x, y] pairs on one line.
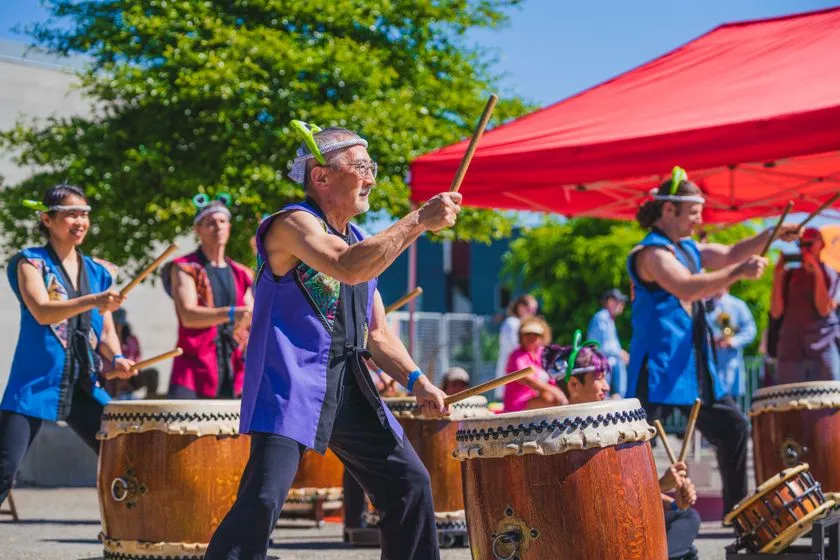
[[780, 511], [573, 481], [433, 440], [798, 423], [318, 487], [168, 473]]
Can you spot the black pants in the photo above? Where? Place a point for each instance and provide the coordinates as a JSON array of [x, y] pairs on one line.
[[392, 475], [18, 431], [726, 427], [681, 528], [355, 502]]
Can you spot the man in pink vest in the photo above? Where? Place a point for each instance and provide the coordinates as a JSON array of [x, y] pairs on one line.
[[213, 299]]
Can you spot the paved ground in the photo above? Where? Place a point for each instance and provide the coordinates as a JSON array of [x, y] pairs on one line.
[[63, 524]]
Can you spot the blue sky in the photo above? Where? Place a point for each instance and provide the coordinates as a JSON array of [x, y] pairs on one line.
[[552, 49]]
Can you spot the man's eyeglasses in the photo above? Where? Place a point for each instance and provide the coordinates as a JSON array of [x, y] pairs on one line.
[[360, 167]]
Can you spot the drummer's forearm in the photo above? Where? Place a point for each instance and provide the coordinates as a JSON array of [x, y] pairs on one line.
[[390, 355]]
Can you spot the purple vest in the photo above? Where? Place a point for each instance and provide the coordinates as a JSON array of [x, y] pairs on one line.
[[308, 332]]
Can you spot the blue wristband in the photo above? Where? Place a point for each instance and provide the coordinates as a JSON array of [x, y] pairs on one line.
[[412, 379], [232, 313], [674, 506], [114, 360]]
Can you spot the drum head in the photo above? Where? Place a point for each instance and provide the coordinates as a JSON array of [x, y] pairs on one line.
[[185, 417], [554, 430], [472, 407], [796, 396]]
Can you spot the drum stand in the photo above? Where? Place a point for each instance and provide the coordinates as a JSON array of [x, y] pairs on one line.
[[828, 527], [369, 537], [12, 509]]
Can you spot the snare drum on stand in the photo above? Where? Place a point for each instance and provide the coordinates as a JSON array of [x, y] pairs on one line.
[[168, 473], [563, 482]]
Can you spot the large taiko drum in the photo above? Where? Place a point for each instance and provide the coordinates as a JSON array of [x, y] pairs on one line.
[[318, 487], [434, 439], [782, 509], [573, 481], [796, 423], [168, 473]]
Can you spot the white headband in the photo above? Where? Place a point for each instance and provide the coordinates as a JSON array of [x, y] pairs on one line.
[[298, 172], [679, 198], [72, 208], [211, 209]]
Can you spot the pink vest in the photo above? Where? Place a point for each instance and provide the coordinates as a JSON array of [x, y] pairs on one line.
[[197, 368]]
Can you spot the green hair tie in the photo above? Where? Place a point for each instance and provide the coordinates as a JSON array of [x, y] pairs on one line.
[[678, 175], [307, 132], [224, 198], [36, 205], [577, 346]]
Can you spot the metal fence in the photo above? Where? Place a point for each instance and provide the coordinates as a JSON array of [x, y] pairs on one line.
[[445, 340]]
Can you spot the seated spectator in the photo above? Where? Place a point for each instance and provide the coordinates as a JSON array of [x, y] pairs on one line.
[[455, 380], [536, 390]]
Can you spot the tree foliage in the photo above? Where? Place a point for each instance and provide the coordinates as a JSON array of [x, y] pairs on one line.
[[195, 96], [568, 266]]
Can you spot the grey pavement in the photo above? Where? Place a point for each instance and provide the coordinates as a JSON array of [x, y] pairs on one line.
[[63, 524]]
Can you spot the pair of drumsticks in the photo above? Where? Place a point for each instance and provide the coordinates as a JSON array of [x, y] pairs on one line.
[[787, 210], [133, 284], [689, 433]]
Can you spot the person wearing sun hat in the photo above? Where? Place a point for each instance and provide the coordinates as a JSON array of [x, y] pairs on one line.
[[805, 299], [213, 300], [671, 354], [536, 390], [318, 318]]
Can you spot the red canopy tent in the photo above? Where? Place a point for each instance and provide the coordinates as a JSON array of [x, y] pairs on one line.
[[751, 110]]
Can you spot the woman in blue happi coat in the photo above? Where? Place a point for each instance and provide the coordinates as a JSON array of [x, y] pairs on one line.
[[66, 329]]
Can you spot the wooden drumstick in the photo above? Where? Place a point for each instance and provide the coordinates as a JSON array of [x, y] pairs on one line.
[[159, 358], [488, 386], [149, 269], [405, 299], [664, 438], [468, 155], [776, 229], [816, 212], [689, 431]]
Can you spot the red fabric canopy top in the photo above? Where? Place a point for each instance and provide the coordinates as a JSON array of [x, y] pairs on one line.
[[751, 110]]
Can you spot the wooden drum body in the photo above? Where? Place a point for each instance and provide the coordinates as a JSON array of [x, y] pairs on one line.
[[433, 440], [781, 510], [564, 482], [318, 486], [168, 473], [797, 423]]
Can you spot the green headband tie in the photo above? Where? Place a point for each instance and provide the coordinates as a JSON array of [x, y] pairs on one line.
[[678, 175], [307, 133], [577, 346], [36, 205]]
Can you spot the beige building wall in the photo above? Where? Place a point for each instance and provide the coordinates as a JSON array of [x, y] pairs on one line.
[[39, 86]]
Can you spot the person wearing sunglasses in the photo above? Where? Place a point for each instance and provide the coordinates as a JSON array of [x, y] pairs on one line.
[[682, 522], [671, 354], [805, 299], [317, 318]]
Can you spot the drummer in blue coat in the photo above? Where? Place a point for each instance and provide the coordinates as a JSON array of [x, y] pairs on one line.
[[317, 317], [671, 359], [66, 329]]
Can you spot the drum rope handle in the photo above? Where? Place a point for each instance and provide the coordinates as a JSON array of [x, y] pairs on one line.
[[507, 537]]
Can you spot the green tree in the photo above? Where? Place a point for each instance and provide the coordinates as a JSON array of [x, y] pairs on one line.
[[567, 266], [196, 96]]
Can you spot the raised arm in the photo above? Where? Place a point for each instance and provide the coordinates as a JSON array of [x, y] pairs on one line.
[[658, 264], [716, 256], [49, 312], [391, 356], [300, 236], [194, 316]]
